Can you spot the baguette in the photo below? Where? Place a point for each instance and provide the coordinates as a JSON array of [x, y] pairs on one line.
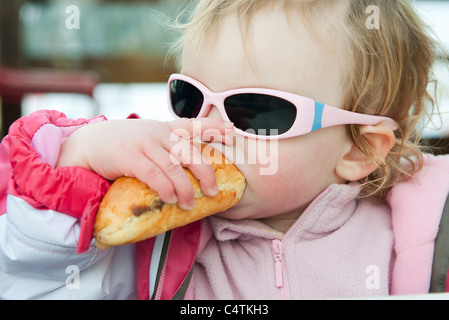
[[131, 211]]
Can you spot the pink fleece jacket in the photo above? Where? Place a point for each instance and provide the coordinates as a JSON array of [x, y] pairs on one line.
[[340, 247], [328, 253]]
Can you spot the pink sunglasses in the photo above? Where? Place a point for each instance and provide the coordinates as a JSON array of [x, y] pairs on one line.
[[261, 113]]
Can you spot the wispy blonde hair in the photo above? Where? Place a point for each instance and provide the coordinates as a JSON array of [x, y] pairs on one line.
[[390, 69]]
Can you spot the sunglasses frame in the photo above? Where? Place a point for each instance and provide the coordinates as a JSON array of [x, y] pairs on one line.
[[311, 115]]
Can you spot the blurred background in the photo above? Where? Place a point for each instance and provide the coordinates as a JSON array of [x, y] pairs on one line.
[[91, 57], [85, 57]]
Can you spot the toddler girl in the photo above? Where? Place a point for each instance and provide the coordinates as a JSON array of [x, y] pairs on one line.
[[352, 209]]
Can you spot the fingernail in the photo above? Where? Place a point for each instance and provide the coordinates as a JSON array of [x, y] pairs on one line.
[[229, 131], [173, 199], [228, 125], [188, 206], [229, 140], [213, 191]]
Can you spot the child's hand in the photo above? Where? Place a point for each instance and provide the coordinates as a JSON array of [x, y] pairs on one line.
[[142, 149]]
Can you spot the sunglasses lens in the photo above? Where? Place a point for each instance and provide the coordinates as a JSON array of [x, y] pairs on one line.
[[262, 114], [186, 100]]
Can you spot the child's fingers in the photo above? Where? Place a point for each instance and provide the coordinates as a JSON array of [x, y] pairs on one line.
[[171, 159], [173, 170], [207, 129], [149, 173], [161, 161], [190, 157]]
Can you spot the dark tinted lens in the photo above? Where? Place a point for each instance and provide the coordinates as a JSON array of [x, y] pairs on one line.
[[186, 99], [262, 113]]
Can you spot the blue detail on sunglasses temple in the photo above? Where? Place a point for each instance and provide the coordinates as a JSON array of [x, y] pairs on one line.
[[319, 109]]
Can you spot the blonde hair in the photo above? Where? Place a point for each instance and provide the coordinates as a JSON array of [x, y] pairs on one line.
[[389, 71]]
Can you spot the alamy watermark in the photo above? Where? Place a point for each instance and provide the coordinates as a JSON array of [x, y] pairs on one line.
[[72, 282], [373, 20], [372, 281], [73, 21], [261, 152]]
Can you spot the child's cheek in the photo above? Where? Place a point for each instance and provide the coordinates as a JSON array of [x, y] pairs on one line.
[[277, 179], [281, 184]]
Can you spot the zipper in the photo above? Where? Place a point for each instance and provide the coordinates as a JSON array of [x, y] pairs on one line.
[[160, 285], [276, 250]]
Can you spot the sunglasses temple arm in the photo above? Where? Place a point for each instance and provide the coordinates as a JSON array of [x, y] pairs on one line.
[[331, 116]]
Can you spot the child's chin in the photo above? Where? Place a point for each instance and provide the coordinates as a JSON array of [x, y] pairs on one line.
[[237, 212], [232, 214]]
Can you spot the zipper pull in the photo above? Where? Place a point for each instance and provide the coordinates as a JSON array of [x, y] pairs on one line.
[[277, 255]]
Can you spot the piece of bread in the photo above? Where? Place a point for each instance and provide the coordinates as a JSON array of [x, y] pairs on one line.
[[132, 212]]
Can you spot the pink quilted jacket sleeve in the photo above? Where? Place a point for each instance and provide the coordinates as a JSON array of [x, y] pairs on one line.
[[28, 156]]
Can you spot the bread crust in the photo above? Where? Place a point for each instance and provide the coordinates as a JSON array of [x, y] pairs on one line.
[[132, 212]]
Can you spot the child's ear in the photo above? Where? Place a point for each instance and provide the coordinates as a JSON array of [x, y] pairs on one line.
[[354, 165]]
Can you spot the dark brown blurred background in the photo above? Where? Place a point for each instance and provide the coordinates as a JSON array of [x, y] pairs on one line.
[[119, 39], [116, 41]]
